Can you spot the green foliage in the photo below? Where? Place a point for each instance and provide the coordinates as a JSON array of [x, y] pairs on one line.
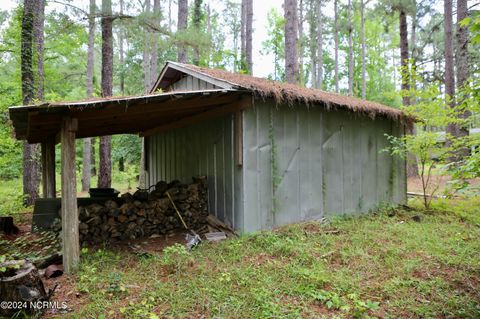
[[422, 269], [128, 147], [433, 113], [474, 23], [275, 43]]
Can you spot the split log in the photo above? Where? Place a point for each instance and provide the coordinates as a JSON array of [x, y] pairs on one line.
[[55, 259], [19, 287]]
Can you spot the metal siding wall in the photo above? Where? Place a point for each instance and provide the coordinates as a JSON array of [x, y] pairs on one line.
[[332, 165], [328, 163], [287, 140], [190, 83], [252, 220], [202, 149]]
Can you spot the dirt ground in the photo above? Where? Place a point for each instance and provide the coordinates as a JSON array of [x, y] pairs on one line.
[[439, 184]]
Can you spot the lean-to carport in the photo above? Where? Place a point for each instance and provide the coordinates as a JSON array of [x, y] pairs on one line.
[[51, 123]]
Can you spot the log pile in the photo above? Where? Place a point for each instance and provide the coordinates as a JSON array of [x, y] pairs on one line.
[[144, 213]]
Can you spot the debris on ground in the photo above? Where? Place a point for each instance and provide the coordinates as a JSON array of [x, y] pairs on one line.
[[192, 241], [54, 271], [215, 236]]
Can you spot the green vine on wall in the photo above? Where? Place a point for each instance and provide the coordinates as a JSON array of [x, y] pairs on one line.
[[276, 177]]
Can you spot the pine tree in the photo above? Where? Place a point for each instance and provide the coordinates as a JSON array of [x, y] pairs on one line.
[[87, 142], [31, 170], [105, 161], [181, 26], [291, 42]]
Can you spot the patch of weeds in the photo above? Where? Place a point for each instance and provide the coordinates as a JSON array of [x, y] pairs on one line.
[[143, 308], [175, 258], [350, 304], [115, 284]]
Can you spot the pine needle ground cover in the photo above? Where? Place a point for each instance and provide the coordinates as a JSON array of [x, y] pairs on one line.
[[396, 263]]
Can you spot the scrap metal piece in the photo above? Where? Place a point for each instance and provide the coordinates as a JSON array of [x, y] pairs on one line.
[[192, 241], [215, 236], [53, 271]]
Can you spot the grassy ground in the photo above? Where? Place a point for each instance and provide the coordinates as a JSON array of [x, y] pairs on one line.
[[395, 263], [407, 263]]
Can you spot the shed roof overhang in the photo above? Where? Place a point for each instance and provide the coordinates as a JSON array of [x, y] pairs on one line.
[[144, 115]]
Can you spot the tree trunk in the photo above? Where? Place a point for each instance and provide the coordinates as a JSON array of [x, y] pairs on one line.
[[154, 49], [87, 160], [449, 80], [121, 164], [350, 49], [170, 15], [94, 157], [335, 6], [38, 27], [412, 166], [197, 16], [181, 26], [462, 64], [30, 152], [249, 36], [87, 142], [404, 56], [291, 41], [21, 285], [105, 161], [364, 53], [7, 226], [146, 52], [319, 77], [300, 45], [243, 30], [121, 53], [312, 18], [38, 35]]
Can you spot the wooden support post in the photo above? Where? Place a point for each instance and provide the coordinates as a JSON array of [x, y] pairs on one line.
[[70, 242], [238, 136], [48, 168]]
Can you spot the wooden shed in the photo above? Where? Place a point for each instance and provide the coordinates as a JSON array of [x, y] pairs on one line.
[[294, 154], [273, 153]]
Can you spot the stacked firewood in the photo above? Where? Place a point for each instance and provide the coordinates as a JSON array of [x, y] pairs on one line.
[[145, 214]]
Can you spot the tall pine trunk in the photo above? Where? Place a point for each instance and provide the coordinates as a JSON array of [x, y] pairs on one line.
[[105, 161], [38, 36], [181, 26], [319, 71], [197, 15], [146, 51], [243, 34], [249, 36], [404, 56], [154, 48], [449, 80], [350, 49], [312, 22], [364, 53], [291, 41], [30, 152], [462, 64], [121, 52], [300, 43], [335, 8], [87, 142], [412, 166]]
